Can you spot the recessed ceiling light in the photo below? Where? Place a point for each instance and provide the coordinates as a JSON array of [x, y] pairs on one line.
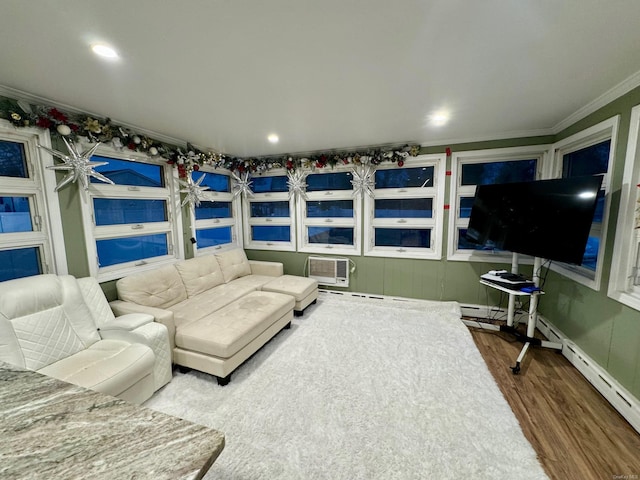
[[439, 119], [273, 138], [104, 51]]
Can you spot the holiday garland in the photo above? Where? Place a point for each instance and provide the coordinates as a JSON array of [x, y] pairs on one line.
[[73, 126]]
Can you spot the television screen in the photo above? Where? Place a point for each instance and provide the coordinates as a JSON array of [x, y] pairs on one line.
[[549, 219]]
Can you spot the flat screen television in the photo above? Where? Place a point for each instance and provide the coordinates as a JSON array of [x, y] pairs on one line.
[[549, 219]]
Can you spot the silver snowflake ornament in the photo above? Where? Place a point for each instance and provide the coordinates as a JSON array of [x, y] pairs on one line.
[[193, 190], [363, 180], [77, 164], [242, 185], [297, 185]]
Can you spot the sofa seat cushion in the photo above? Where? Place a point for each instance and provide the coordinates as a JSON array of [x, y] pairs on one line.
[[208, 302], [228, 330], [299, 287], [107, 366]]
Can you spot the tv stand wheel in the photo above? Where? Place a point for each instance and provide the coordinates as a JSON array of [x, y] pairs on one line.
[[516, 369]]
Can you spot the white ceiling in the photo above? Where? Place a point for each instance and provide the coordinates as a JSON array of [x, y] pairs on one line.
[[324, 74]]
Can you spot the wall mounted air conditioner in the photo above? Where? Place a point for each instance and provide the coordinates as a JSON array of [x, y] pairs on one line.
[[329, 270]]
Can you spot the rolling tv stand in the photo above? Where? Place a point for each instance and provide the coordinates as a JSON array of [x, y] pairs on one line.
[[514, 292]]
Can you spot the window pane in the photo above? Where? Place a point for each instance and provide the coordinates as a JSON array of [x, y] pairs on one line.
[[329, 181], [12, 160], [468, 244], [590, 257], [207, 210], [332, 208], [403, 237], [19, 262], [498, 172], [404, 208], [269, 184], [405, 177], [123, 172], [336, 236], [15, 215], [128, 249], [280, 233], [599, 213], [269, 209], [591, 160], [119, 211], [210, 237], [466, 203], [215, 181]]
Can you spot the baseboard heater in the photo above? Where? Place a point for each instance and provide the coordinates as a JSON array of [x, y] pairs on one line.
[[329, 270]]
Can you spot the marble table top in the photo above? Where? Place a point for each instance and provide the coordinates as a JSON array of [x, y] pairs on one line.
[[54, 430]]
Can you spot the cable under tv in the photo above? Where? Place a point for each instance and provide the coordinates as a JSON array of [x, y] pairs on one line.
[[505, 279]]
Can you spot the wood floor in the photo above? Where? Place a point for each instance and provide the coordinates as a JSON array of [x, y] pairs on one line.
[[574, 430]]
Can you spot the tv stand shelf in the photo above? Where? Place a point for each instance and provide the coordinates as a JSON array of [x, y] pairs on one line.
[[510, 291]]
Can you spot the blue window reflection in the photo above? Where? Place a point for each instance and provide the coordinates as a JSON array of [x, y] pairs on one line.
[[215, 181], [468, 244], [208, 210], [590, 257], [15, 215], [211, 237], [403, 237], [498, 172], [269, 184], [332, 208], [271, 233], [404, 177], [404, 208], [120, 211], [19, 263], [329, 181], [12, 160], [331, 235], [466, 204], [270, 209], [123, 172], [128, 249]]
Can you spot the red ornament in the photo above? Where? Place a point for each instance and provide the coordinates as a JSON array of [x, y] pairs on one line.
[[74, 127], [400, 163], [58, 115], [43, 122], [241, 168], [196, 167], [448, 151], [131, 146], [289, 165], [171, 162], [319, 165]]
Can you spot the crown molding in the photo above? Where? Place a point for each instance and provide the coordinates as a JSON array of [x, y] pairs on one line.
[[609, 96], [541, 132]]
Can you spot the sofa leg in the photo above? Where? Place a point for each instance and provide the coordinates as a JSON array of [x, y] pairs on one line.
[[222, 381], [183, 369], [287, 326], [298, 313]]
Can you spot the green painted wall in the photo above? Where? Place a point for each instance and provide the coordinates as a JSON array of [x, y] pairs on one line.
[[606, 330]]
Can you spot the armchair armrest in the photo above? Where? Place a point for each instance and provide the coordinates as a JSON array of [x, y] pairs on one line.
[[120, 307], [271, 269], [129, 321]]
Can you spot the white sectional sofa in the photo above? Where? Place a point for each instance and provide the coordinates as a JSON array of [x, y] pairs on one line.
[[63, 327], [219, 309]]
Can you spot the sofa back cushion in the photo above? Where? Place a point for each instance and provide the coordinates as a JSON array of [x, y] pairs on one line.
[[200, 274], [160, 287], [234, 264], [94, 297], [43, 319]]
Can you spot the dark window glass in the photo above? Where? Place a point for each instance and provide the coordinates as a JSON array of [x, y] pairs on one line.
[[215, 181], [331, 235], [123, 172], [404, 208], [208, 210], [15, 215], [466, 203], [590, 257], [331, 208], [128, 249], [599, 213], [269, 209], [12, 160], [269, 184], [120, 211], [403, 237], [271, 233], [468, 244], [405, 177], [19, 262], [329, 181], [498, 172], [210, 237], [591, 160]]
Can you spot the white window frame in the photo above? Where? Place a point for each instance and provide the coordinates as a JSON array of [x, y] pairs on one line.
[[234, 222], [624, 266], [328, 195], [172, 227], [435, 223], [601, 132], [289, 221], [39, 187], [457, 191]]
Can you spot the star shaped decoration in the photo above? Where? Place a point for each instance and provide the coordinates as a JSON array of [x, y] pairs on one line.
[[242, 185], [77, 164], [297, 185], [193, 190], [363, 180]]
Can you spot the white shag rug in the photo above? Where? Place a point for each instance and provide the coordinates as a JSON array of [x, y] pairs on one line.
[[360, 388]]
